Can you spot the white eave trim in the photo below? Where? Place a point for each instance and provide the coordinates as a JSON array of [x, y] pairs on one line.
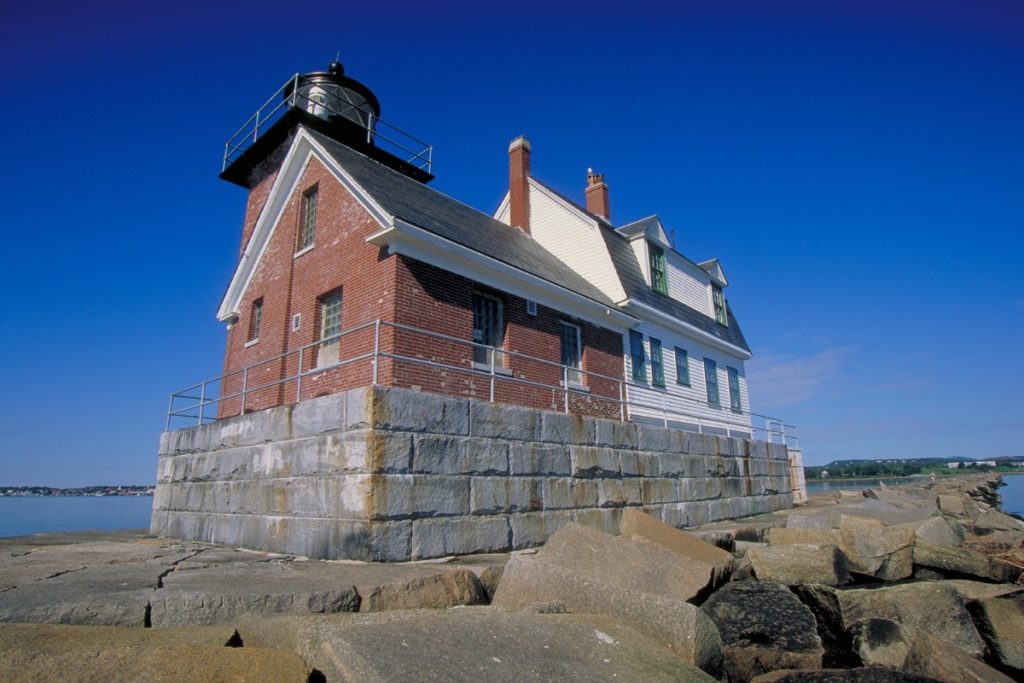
[[414, 242], [303, 148], [666, 320]]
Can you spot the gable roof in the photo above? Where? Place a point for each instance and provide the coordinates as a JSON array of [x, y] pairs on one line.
[[425, 207]]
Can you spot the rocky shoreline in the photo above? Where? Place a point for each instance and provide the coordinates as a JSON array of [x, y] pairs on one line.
[[907, 583]]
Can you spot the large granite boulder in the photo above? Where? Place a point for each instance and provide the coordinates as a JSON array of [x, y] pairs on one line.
[[939, 531], [764, 627], [936, 658], [885, 553], [52, 652], [469, 645], [962, 562], [881, 642], [533, 582], [800, 563], [994, 520], [823, 601], [929, 607], [1001, 622], [701, 558]]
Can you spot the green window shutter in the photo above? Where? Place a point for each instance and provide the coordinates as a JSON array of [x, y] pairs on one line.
[[636, 352], [659, 282], [711, 381], [734, 390], [682, 367], [657, 363]]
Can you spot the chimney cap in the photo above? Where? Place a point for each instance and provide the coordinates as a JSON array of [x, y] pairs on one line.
[[520, 141]]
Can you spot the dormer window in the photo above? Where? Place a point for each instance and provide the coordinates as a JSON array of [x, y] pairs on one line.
[[718, 301], [659, 282]]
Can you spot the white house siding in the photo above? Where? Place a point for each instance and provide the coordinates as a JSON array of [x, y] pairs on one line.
[[574, 239], [688, 283], [683, 406]]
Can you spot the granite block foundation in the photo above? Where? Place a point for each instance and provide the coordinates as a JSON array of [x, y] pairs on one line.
[[392, 474]]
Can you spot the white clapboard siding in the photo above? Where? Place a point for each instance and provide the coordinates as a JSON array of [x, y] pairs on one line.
[[675, 402], [573, 238], [688, 283]]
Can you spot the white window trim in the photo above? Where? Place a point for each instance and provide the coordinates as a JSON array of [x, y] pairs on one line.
[[579, 349]]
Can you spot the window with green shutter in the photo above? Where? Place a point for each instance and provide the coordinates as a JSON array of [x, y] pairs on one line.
[[659, 281], [657, 363], [718, 299], [636, 353], [711, 381], [682, 367], [734, 390]]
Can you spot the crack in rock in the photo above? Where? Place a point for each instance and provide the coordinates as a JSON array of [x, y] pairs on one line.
[[174, 565]]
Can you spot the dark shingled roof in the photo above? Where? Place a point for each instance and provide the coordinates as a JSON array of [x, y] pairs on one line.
[[425, 207], [636, 227], [632, 279]]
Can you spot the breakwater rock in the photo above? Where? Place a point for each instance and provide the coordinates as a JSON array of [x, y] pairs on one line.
[[912, 583]]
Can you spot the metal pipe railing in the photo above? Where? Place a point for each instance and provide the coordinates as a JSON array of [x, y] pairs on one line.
[[409, 148], [683, 410]]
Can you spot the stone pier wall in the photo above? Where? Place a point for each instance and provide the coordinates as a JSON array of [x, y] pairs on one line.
[[395, 474]]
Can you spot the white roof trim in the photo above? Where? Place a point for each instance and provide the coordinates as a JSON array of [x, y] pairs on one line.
[[414, 242], [302, 150], [713, 267], [665, 320], [502, 207]]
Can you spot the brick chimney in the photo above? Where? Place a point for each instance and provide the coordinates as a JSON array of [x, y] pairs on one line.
[[519, 183], [597, 195]]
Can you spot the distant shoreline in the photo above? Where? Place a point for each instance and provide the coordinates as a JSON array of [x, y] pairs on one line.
[[75, 492]]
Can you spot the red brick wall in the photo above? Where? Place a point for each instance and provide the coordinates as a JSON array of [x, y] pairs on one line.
[[339, 259], [391, 288]]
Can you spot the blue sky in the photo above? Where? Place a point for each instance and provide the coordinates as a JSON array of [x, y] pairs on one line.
[[857, 166]]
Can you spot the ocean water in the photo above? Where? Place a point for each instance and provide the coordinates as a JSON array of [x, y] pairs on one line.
[[1013, 494], [23, 515]]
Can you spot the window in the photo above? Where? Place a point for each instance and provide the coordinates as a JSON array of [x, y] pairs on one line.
[[636, 352], [307, 229], [255, 319], [734, 390], [718, 300], [488, 331], [657, 363], [659, 283], [330, 328], [711, 381], [682, 367], [572, 353], [531, 307]]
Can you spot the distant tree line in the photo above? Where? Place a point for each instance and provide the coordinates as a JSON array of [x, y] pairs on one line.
[[848, 469]]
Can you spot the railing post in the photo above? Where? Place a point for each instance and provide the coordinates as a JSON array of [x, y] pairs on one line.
[[298, 376], [170, 409], [565, 385], [622, 401], [491, 355], [295, 89], [376, 351], [369, 128], [202, 399], [245, 385], [256, 127]]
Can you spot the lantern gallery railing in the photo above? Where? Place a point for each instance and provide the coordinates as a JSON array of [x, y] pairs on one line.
[[384, 135], [364, 354]]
